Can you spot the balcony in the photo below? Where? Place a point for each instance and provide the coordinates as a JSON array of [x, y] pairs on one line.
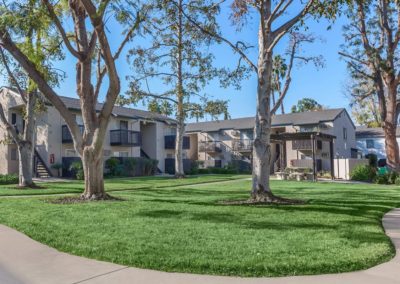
[[123, 137], [210, 146], [169, 142], [66, 136], [302, 145], [242, 145]]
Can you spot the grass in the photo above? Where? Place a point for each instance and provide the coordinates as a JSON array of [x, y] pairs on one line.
[[114, 184], [185, 229]]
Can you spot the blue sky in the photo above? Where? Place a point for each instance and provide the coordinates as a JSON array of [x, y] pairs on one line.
[[324, 85]]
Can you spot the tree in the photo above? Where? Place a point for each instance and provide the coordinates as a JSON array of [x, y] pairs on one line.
[[306, 104], [89, 45], [178, 55], [364, 110], [276, 19], [40, 43], [372, 55], [282, 72]]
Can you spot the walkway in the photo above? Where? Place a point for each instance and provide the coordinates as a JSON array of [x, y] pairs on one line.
[[23, 260]]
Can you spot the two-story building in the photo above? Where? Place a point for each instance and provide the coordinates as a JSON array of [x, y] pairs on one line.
[[130, 133], [218, 143]]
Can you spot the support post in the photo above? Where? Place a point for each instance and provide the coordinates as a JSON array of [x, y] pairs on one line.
[[332, 159], [313, 157]]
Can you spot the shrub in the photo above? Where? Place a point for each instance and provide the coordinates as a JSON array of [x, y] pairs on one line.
[[194, 168], [382, 179], [397, 181], [129, 165], [363, 173], [111, 165], [392, 176], [149, 167], [372, 160], [9, 179], [77, 168]]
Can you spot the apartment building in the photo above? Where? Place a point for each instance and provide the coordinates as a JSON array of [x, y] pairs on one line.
[[218, 143], [130, 133], [298, 140], [372, 141]]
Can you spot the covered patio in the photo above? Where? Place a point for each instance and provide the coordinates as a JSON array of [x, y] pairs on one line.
[[305, 141]]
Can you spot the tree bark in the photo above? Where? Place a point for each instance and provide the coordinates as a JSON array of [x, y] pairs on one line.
[[180, 130], [390, 129], [25, 152], [261, 191], [93, 170]]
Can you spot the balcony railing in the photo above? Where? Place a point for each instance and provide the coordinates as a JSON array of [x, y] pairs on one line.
[[66, 136], [242, 145], [123, 137], [169, 142], [210, 146], [305, 145]]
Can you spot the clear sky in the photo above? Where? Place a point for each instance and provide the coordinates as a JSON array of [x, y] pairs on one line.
[[324, 85]]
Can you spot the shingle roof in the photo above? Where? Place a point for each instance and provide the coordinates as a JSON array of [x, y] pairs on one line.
[[73, 103], [303, 118], [365, 132]]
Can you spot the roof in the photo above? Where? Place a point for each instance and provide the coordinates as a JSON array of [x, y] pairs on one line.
[[302, 118], [74, 104], [365, 132]]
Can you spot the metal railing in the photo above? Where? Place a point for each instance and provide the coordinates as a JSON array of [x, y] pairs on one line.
[[123, 137]]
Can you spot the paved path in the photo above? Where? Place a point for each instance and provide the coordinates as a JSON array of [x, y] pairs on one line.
[[23, 260]]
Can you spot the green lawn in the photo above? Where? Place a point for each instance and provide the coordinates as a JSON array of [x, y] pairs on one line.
[[116, 184], [165, 227]]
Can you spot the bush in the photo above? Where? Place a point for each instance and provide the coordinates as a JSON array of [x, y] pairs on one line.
[[392, 176], [77, 168], [194, 168], [397, 181], [382, 179], [372, 160], [111, 165], [9, 179], [129, 165], [149, 167], [363, 173]]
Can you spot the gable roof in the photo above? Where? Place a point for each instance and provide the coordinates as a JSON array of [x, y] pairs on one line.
[[376, 132], [74, 104], [302, 118]]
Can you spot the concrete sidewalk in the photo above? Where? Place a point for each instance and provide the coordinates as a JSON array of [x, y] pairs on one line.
[[23, 260]]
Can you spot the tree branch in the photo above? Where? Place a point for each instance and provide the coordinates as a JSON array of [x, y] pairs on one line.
[[61, 30]]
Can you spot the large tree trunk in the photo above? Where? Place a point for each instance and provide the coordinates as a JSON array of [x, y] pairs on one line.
[[261, 191], [390, 128], [93, 170], [27, 145], [25, 152], [180, 131]]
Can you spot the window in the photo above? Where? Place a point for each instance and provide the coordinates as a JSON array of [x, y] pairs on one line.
[[370, 143], [121, 154], [123, 124], [344, 133], [13, 118], [70, 153], [13, 154]]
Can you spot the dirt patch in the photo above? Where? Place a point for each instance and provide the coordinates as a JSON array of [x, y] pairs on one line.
[[80, 199]]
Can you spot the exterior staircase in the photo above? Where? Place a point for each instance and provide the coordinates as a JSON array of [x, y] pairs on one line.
[[40, 169]]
